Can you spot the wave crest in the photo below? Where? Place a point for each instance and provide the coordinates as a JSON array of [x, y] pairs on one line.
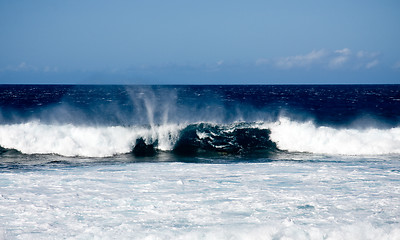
[[89, 141], [199, 138]]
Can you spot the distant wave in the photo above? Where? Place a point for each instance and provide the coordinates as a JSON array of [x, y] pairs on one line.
[[197, 138]]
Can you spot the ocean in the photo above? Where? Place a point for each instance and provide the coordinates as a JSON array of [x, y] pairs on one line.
[[200, 162]]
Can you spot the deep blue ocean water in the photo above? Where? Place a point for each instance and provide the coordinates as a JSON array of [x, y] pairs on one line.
[[338, 105], [200, 162]]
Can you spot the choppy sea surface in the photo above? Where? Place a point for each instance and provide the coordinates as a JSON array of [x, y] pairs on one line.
[[200, 162]]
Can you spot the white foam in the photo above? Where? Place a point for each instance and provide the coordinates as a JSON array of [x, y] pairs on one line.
[[103, 141], [307, 137], [276, 200], [70, 140]]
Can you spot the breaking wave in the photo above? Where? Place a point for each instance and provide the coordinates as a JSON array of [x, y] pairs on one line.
[[308, 137], [197, 138]]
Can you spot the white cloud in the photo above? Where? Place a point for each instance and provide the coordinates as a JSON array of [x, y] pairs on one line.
[[22, 67], [220, 62], [365, 54], [262, 61], [50, 69], [371, 64], [25, 67], [330, 59], [338, 61], [327, 59], [301, 60], [344, 51]]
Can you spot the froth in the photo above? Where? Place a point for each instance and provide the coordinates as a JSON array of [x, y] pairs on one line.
[[307, 137], [70, 140], [104, 141]]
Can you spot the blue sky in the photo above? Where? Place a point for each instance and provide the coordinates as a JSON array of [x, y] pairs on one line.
[[199, 42]]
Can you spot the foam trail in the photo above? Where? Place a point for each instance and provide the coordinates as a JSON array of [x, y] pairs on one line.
[[307, 137], [70, 140]]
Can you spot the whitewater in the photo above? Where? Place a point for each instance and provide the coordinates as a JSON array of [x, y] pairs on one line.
[[292, 136], [320, 199], [200, 162]]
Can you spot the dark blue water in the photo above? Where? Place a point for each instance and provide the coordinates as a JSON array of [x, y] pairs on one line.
[[338, 105]]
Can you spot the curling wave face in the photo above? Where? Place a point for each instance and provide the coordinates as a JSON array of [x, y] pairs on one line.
[[197, 138]]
